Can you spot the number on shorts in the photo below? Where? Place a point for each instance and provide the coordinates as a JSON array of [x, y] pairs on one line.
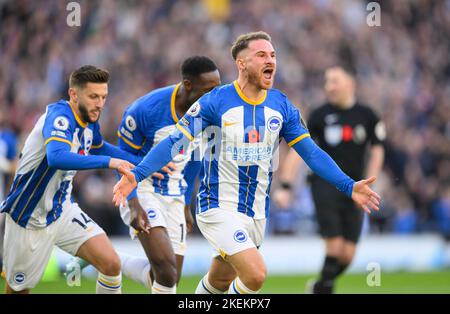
[[85, 219]]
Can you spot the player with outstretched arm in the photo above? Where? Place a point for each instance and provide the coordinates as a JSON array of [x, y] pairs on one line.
[[245, 121], [39, 208]]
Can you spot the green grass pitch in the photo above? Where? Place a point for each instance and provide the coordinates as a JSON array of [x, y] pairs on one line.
[[430, 282]]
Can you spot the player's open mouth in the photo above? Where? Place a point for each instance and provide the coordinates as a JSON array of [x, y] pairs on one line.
[[267, 73]]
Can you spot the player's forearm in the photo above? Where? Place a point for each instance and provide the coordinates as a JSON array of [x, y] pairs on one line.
[[324, 166], [375, 161], [60, 157], [108, 149], [159, 156]]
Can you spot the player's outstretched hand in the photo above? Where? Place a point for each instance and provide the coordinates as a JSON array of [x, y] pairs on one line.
[[169, 168], [364, 196], [124, 187]]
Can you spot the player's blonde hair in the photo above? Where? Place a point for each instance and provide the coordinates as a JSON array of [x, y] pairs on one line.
[[243, 40]]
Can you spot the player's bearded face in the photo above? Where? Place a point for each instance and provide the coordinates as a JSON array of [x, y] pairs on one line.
[[261, 64], [91, 101]]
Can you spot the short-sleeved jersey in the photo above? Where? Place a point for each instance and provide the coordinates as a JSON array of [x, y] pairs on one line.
[[346, 134], [38, 191], [8, 143], [244, 136], [145, 123]]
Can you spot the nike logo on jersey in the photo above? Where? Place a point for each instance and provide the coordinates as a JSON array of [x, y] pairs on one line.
[[229, 123]]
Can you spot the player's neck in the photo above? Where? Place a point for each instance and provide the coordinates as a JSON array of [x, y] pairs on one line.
[[251, 91], [181, 101]]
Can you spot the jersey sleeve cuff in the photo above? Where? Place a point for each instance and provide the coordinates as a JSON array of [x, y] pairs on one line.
[[53, 138], [298, 139]]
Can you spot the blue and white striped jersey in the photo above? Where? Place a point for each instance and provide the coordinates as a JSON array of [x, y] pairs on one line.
[[38, 191], [239, 160], [145, 123]]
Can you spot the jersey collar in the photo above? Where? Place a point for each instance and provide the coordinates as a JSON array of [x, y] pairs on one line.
[[80, 122], [246, 99], [172, 103]]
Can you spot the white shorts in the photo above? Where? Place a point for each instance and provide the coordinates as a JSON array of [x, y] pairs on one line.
[[230, 232], [163, 211], [26, 251]]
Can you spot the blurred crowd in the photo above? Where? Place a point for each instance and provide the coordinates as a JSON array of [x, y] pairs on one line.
[[402, 66]]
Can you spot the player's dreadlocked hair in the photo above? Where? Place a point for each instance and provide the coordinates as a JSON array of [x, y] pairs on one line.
[[196, 65], [88, 74], [242, 41]]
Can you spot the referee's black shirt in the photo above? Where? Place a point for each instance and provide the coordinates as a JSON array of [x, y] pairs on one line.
[[346, 134]]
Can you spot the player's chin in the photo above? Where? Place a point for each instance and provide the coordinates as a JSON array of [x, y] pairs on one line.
[[266, 83], [93, 117]]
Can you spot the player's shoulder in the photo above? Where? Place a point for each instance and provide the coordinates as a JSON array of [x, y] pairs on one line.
[[276, 93], [151, 100], [60, 106], [279, 101], [278, 98], [62, 112]]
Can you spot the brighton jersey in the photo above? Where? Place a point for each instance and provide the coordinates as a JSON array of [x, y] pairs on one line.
[[243, 140], [38, 191], [145, 123]]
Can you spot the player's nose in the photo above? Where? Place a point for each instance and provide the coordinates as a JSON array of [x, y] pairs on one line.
[[270, 60], [100, 104]]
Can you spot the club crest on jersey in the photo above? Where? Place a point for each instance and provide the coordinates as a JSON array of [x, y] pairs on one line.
[[240, 236], [151, 214], [274, 124], [194, 110], [19, 278], [61, 123], [130, 123]]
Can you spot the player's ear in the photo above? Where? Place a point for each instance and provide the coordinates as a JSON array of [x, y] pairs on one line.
[[73, 94], [241, 64], [187, 84]]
